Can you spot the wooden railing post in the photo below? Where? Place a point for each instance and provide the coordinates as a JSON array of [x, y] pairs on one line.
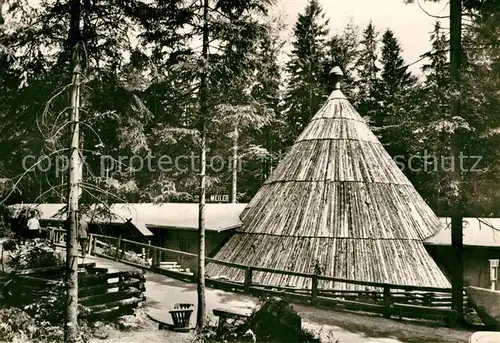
[[118, 244], [248, 279], [120, 282], [314, 290], [158, 257], [122, 255], [387, 302], [148, 250], [91, 244], [428, 299], [153, 257]]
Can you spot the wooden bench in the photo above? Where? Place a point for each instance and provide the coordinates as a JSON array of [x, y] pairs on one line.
[[418, 311], [164, 323], [224, 315]]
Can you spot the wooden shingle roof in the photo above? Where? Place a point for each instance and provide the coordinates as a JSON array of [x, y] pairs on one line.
[[338, 198]]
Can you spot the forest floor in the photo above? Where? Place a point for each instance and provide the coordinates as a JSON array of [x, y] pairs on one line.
[[345, 327], [149, 333], [149, 336]]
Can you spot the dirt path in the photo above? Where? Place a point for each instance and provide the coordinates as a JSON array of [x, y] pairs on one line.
[[146, 336], [378, 329], [346, 327], [147, 332]]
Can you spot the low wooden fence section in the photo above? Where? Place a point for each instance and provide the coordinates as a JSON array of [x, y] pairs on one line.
[[390, 300], [101, 294]]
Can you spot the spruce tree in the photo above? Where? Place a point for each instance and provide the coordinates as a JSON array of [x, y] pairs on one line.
[[217, 76], [266, 92], [434, 105], [437, 71], [367, 63], [306, 90], [395, 75], [343, 51], [435, 91], [394, 103], [480, 126], [108, 105]]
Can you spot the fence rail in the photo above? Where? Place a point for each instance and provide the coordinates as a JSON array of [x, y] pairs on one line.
[[384, 298], [102, 294]]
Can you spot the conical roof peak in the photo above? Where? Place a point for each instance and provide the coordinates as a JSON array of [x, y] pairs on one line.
[[337, 197], [336, 74], [336, 71], [336, 94], [337, 106]]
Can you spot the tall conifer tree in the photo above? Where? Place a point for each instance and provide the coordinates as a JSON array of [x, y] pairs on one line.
[[343, 51], [434, 105], [393, 107], [306, 91], [367, 62], [395, 75]]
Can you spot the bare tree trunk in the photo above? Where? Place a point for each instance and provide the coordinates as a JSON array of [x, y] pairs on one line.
[[71, 244], [267, 160], [457, 205], [2, 20], [62, 188], [1, 247], [234, 188], [201, 315], [72, 333]]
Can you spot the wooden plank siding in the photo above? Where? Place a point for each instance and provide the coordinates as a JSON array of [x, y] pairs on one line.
[[337, 198], [476, 263]]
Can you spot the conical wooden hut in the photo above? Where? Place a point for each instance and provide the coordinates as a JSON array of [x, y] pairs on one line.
[[338, 201]]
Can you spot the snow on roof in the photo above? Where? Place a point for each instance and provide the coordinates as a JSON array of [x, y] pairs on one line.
[[58, 212], [480, 232], [47, 211], [219, 217]]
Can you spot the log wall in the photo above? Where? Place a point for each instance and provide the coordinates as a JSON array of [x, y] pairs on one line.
[[103, 295]]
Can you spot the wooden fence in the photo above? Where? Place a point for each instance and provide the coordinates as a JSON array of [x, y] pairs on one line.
[[382, 298], [101, 294]]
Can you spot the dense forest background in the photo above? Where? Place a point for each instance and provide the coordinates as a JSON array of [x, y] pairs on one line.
[[141, 72]]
